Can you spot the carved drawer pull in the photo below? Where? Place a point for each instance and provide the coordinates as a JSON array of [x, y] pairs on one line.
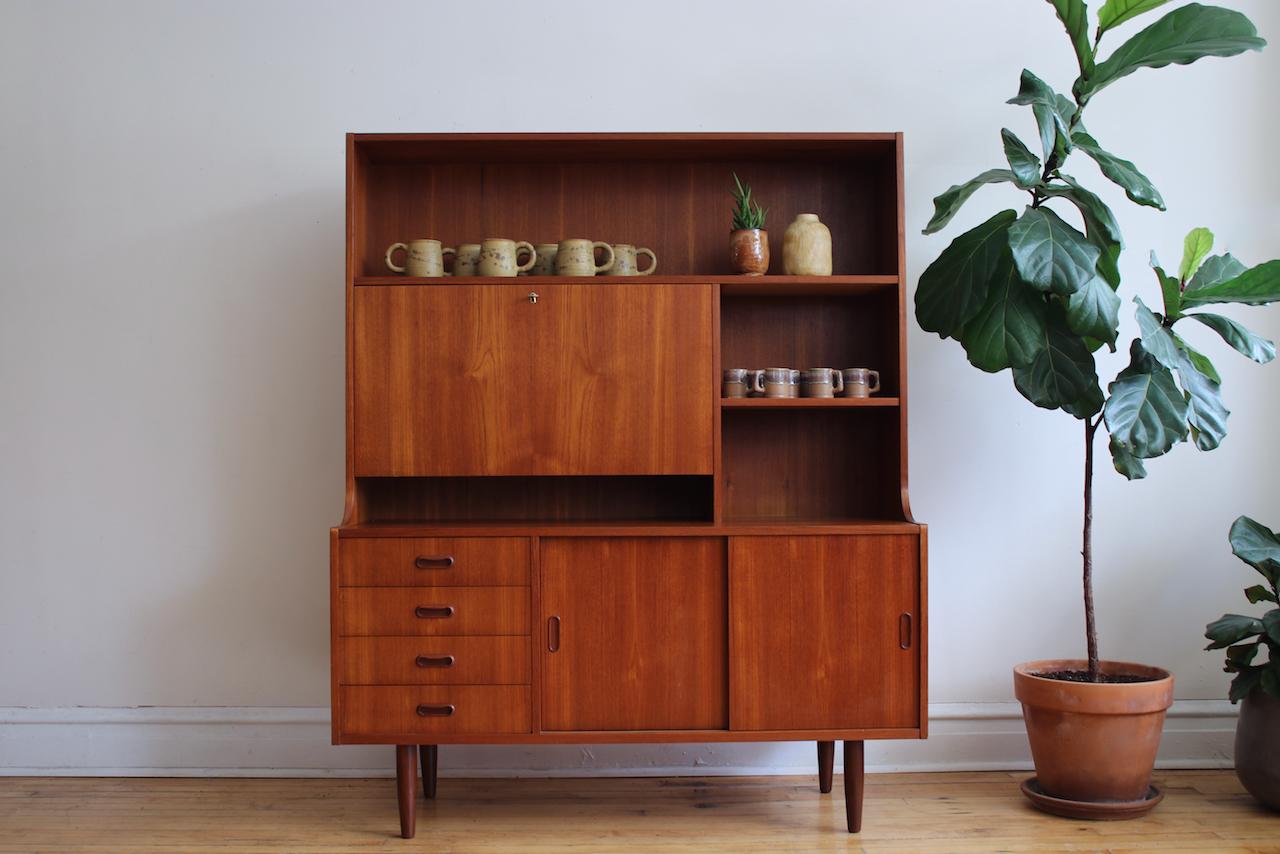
[[433, 561], [427, 612], [434, 661], [553, 634], [425, 711], [904, 631]]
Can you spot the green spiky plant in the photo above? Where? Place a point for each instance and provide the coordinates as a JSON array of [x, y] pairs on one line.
[[746, 217], [1033, 294], [1243, 636]]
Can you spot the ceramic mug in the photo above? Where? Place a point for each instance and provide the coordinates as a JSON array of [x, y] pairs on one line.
[[821, 382], [861, 382], [793, 390], [499, 257], [735, 382], [424, 257], [773, 382], [626, 261], [466, 259], [546, 263], [576, 256]]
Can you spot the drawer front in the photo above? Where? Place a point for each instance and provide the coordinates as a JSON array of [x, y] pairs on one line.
[[370, 712], [434, 562], [435, 661], [390, 611]]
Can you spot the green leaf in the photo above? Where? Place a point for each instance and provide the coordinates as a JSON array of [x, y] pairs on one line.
[[1115, 12], [1145, 411], [948, 203], [1245, 342], [1256, 545], [1257, 593], [1257, 286], [1206, 413], [954, 287], [1201, 361], [1215, 270], [1242, 655], [1089, 405], [1075, 17], [1101, 227], [1195, 248], [1025, 165], [1271, 622], [1170, 290], [1126, 463], [1157, 340], [1009, 329], [1184, 35], [1051, 255], [1230, 629], [1049, 108], [1062, 371], [1244, 684], [1094, 311], [1136, 186]]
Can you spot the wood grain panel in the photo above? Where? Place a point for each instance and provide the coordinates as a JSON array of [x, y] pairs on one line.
[[441, 380], [435, 562], [373, 711], [616, 379], [435, 661], [642, 633], [815, 626], [391, 611]]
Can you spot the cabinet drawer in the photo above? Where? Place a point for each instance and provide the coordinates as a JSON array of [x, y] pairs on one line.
[[434, 562], [433, 611], [369, 711], [435, 661]]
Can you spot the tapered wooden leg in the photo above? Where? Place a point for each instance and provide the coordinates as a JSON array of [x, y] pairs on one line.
[[826, 759], [406, 780], [428, 752], [853, 784]]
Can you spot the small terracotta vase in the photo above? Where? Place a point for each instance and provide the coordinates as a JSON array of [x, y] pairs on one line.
[[749, 251], [806, 247], [1258, 747], [1093, 741]]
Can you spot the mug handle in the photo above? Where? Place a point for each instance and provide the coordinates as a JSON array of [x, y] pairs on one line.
[[448, 250], [393, 248], [608, 250], [837, 382], [653, 260], [875, 380], [757, 382], [533, 256]]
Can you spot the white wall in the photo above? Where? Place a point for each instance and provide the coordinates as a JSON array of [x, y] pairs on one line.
[[171, 311]]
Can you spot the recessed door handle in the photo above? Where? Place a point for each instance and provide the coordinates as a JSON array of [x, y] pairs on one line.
[[425, 711], [904, 631], [553, 634], [434, 661], [433, 561], [433, 612]]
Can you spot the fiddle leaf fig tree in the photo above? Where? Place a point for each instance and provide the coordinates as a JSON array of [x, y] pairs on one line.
[[1037, 291]]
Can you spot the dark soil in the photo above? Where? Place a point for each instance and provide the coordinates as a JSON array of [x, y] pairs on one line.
[[1083, 676]]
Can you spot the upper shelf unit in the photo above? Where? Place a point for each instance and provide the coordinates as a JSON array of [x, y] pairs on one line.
[[666, 192]]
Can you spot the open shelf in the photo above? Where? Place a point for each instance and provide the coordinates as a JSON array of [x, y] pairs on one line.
[[777, 286], [807, 402]]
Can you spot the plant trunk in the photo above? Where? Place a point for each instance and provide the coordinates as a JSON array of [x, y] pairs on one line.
[[1090, 624]]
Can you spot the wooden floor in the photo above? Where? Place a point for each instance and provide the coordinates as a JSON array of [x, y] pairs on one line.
[[1203, 811]]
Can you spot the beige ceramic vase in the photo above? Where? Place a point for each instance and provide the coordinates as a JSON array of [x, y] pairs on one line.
[[806, 247]]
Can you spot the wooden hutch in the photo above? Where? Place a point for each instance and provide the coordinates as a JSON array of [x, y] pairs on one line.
[[556, 531]]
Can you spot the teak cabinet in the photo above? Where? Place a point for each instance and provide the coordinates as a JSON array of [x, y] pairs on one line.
[[556, 531]]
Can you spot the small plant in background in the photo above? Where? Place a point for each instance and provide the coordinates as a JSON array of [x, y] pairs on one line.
[[746, 217], [1031, 293], [1244, 637]]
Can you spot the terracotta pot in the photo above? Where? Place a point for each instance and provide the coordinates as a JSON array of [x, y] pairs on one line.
[[1258, 747], [1093, 742], [749, 251]]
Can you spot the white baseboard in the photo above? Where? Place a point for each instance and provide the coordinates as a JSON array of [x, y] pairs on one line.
[[294, 742]]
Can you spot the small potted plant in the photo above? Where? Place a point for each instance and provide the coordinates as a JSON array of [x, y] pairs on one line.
[[1032, 293], [1257, 683], [748, 241]]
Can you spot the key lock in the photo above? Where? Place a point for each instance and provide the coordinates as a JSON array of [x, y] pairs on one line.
[[533, 297]]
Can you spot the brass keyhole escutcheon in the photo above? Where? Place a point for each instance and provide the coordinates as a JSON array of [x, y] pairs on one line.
[[533, 297]]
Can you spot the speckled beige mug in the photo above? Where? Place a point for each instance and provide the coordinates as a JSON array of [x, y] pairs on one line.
[[546, 263], [466, 259], [500, 257], [424, 257], [576, 256], [626, 261]]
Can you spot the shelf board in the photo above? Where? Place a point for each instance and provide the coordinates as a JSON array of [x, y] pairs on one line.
[[730, 285], [624, 528], [806, 402]]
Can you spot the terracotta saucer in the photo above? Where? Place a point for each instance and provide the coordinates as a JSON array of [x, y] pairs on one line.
[[1091, 810]]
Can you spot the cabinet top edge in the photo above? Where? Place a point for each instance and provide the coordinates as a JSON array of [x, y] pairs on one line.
[[618, 529]]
